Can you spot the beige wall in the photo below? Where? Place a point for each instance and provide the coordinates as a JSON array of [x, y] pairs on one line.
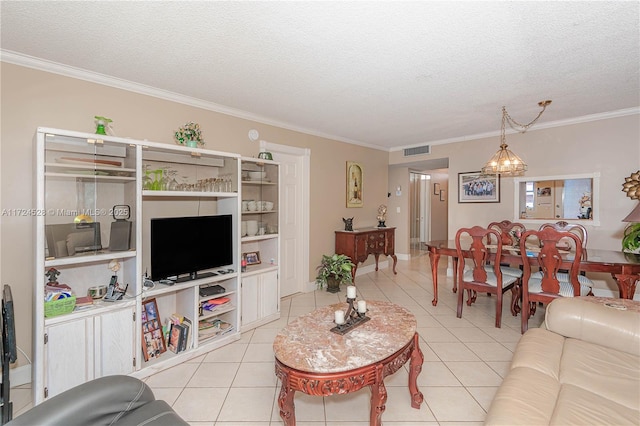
[[32, 98]]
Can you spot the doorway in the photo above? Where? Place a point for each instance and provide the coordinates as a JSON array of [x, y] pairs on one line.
[[294, 215], [420, 206]]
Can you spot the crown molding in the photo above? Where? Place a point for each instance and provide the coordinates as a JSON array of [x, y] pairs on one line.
[[551, 124], [118, 83], [15, 58]]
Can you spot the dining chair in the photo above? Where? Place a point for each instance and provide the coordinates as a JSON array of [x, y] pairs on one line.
[[505, 228], [575, 228], [508, 233], [549, 253], [482, 276]]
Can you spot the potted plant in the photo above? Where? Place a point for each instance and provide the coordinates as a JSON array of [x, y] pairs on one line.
[[190, 135], [333, 271], [631, 239]]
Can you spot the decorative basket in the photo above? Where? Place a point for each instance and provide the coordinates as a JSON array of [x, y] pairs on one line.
[[53, 308]]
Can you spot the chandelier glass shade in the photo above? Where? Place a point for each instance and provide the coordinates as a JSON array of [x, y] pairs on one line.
[[505, 162]]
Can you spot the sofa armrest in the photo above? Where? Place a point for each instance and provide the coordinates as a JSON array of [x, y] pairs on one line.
[[595, 322], [102, 401]]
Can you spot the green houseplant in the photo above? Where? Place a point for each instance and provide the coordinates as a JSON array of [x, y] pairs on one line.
[[190, 135], [333, 271], [631, 239]]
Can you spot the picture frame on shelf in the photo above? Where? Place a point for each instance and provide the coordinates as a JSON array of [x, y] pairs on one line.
[[153, 344], [474, 187], [252, 257], [354, 184]]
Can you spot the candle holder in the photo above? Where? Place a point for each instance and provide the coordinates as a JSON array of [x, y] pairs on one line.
[[352, 319]]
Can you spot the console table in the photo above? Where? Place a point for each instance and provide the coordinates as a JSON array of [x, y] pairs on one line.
[[312, 359], [359, 244]]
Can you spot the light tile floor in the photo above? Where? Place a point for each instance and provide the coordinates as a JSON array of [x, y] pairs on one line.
[[465, 360]]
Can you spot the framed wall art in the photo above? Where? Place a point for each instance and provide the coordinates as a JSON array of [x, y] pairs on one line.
[[436, 188], [474, 187], [354, 184]]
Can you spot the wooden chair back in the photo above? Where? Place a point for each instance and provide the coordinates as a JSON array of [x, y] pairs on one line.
[[550, 260], [505, 227], [480, 255], [575, 228]]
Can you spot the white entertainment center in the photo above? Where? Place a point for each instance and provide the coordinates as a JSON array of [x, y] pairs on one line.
[[81, 180]]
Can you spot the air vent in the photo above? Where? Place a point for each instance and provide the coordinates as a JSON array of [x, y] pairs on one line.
[[425, 149]]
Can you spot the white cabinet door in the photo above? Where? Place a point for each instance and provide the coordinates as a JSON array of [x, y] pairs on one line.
[[269, 295], [114, 348], [68, 355], [260, 298], [250, 297]]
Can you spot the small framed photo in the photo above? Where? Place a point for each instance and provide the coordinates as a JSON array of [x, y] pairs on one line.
[[354, 184], [436, 188], [474, 187], [153, 343], [442, 197], [252, 257]]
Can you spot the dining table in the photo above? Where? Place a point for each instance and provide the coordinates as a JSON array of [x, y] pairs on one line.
[[623, 267]]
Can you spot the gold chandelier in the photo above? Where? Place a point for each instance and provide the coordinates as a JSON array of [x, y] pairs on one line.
[[505, 162]]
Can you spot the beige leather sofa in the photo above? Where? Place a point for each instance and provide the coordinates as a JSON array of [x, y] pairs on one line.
[[581, 367]]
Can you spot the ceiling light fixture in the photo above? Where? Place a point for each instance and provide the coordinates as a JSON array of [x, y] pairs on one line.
[[505, 162]]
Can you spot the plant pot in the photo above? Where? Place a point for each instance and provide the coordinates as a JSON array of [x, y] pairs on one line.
[[192, 144], [333, 285]]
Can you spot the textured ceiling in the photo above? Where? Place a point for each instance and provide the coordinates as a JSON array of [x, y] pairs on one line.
[[387, 74]]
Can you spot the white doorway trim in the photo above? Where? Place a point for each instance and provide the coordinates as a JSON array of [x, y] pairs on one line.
[[305, 154]]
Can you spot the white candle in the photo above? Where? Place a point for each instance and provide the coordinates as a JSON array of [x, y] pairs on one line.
[[339, 317], [351, 292], [362, 306]]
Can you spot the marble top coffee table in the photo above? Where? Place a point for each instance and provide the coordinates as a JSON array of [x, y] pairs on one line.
[[312, 359]]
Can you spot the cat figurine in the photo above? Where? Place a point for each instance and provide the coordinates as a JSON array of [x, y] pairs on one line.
[[348, 224]]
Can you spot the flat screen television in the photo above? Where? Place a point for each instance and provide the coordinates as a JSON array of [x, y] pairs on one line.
[[190, 245]]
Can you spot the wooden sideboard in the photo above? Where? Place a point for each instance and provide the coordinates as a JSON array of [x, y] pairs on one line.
[[358, 245]]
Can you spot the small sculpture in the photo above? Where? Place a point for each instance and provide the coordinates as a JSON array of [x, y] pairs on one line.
[[382, 216], [348, 224], [52, 274]]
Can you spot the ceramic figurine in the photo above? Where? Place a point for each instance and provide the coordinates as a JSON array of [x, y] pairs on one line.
[[348, 224]]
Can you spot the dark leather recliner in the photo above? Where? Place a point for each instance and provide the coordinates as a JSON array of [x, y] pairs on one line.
[[110, 400]]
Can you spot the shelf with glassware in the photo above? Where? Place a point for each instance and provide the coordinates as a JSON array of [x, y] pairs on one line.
[[87, 211], [260, 242]]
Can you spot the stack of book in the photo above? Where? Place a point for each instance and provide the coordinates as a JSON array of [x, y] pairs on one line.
[[180, 335], [213, 304], [212, 327]]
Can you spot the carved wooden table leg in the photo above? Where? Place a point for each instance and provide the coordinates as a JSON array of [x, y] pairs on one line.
[[285, 398], [454, 261], [415, 367], [433, 259], [395, 262], [377, 256], [378, 398], [626, 284]]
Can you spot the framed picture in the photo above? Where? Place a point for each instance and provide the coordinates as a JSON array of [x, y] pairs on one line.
[[252, 257], [436, 188], [442, 198], [152, 338], [354, 184], [474, 187]]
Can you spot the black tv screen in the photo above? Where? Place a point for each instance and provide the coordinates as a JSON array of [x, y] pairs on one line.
[[188, 245]]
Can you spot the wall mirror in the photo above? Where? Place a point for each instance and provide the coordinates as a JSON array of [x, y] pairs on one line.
[[573, 198]]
